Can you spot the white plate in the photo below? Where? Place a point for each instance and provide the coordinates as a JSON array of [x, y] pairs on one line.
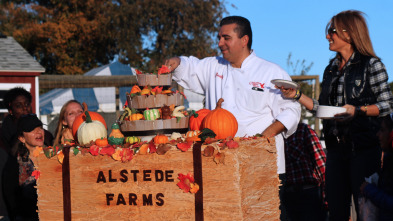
[[284, 83], [328, 112]]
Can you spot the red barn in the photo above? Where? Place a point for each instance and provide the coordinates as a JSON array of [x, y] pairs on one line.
[[18, 69]]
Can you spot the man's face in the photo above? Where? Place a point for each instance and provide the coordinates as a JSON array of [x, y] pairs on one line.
[[230, 44]]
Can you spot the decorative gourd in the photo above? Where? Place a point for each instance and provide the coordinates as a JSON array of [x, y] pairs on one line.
[[177, 111], [160, 139], [193, 133], [136, 116], [90, 130], [82, 118], [166, 112], [135, 89], [102, 142], [143, 150], [151, 114], [221, 121], [133, 139], [115, 137], [196, 118]]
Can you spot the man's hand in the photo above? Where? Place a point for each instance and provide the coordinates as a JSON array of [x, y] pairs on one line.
[[172, 63]]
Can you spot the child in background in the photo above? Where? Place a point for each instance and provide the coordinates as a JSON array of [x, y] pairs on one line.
[[68, 113], [382, 195]]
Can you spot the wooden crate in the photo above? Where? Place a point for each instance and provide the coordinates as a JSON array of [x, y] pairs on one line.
[[245, 187]]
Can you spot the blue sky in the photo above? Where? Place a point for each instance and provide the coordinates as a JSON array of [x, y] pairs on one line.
[[281, 27]]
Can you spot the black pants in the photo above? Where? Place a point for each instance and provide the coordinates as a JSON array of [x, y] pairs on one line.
[[345, 172], [304, 204]]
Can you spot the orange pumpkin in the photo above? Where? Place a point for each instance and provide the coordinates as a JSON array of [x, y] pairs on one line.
[[102, 142], [135, 89], [221, 121], [82, 118], [196, 118], [160, 139]]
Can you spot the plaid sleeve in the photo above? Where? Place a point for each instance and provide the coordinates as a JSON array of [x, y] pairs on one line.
[[379, 85]]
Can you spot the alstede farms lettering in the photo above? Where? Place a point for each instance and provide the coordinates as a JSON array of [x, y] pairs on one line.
[[131, 199]]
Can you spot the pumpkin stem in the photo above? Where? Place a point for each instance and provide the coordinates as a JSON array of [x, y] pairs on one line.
[[84, 106], [193, 113], [88, 118], [219, 103]]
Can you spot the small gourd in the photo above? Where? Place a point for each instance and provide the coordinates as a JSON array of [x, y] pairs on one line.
[[160, 139], [115, 137], [193, 133], [136, 116], [166, 112], [90, 130], [177, 111], [133, 139], [102, 142], [151, 114]]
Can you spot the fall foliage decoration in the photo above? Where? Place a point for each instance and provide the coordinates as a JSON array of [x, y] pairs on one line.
[[116, 137], [90, 130], [135, 89], [82, 118], [221, 121], [146, 90], [160, 139], [187, 183], [163, 70], [196, 118]]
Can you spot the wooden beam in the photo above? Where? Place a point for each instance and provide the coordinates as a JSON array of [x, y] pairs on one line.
[[80, 81]]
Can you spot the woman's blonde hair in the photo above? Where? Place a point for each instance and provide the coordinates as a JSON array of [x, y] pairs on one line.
[[354, 24], [60, 127]]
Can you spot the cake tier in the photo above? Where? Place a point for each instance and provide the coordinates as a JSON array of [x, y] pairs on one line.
[[154, 80], [154, 101], [148, 125]]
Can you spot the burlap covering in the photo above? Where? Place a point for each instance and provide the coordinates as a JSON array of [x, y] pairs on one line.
[[245, 187]]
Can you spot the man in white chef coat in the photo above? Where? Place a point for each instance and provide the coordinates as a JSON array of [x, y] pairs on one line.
[[243, 80]]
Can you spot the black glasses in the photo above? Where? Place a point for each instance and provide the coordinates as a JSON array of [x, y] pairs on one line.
[[332, 31]]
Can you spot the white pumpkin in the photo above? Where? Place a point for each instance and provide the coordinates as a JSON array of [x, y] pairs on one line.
[[90, 130]]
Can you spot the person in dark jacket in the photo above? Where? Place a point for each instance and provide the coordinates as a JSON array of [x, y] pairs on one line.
[[355, 79], [18, 103], [382, 194], [20, 194]]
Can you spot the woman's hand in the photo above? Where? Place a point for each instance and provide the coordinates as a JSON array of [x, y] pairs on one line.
[[287, 92], [172, 63], [347, 115]]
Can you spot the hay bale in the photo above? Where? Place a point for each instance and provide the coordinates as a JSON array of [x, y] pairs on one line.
[[245, 187]]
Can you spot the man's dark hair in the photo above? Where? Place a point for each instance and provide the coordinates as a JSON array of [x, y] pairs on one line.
[[13, 93], [243, 27]]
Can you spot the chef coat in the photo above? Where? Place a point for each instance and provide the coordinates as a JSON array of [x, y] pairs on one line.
[[247, 92]]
